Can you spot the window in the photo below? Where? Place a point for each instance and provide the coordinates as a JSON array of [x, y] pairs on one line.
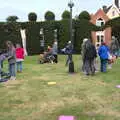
[[100, 22], [100, 39], [113, 13]]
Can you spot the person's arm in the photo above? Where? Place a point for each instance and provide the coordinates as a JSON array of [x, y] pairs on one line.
[[99, 51]]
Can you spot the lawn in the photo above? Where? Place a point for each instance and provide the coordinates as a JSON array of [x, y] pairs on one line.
[[86, 97]]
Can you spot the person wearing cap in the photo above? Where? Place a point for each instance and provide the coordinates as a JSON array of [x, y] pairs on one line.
[[103, 52]]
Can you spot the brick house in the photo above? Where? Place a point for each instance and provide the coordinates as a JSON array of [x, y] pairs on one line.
[[100, 18]]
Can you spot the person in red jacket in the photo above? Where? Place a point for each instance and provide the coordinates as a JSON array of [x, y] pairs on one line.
[[19, 57]]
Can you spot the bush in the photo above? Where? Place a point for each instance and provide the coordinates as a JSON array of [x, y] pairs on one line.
[[84, 15], [66, 15], [12, 19], [49, 16], [32, 16]]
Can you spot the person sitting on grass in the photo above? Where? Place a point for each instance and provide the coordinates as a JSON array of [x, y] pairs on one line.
[[46, 57]]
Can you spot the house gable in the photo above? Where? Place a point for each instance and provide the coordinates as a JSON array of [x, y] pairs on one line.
[[100, 14], [113, 12]]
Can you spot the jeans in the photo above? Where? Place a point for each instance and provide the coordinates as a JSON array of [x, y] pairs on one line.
[[12, 70], [19, 66], [103, 65]]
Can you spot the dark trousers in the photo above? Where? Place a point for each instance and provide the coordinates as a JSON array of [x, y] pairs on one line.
[[89, 66], [69, 58], [56, 58], [104, 65]]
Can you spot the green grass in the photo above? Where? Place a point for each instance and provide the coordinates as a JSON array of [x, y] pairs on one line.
[[87, 98]]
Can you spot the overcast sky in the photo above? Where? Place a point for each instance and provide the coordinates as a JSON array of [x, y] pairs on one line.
[[21, 8]]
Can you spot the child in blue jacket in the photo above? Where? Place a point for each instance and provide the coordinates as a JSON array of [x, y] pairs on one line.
[[103, 52]]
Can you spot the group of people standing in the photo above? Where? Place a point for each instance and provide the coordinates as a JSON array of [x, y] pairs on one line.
[[15, 57], [106, 53]]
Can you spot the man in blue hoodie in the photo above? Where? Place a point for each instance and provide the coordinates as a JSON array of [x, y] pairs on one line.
[[103, 52]]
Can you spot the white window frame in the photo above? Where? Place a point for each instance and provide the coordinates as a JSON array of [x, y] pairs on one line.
[[98, 22], [100, 34]]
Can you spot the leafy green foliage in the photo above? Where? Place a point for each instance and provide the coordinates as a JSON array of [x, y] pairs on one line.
[[66, 15], [12, 19], [10, 31], [84, 15], [49, 16], [32, 16]]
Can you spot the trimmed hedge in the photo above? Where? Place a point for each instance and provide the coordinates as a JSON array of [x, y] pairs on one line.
[[81, 27], [11, 32]]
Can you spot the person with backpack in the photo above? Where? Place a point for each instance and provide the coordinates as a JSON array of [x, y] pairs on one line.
[[89, 54]]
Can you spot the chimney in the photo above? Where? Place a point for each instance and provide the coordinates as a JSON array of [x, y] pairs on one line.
[[117, 3], [105, 8]]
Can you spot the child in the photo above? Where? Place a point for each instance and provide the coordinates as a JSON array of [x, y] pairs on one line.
[[103, 53], [19, 57], [11, 59]]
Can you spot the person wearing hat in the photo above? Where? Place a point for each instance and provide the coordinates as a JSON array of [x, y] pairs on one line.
[[103, 52]]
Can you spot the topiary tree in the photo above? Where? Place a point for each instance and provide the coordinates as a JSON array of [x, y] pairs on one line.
[[84, 15], [66, 15], [12, 19], [49, 16], [32, 16]]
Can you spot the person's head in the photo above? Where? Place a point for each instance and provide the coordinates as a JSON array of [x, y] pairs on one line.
[[85, 40], [49, 47], [69, 42], [103, 43], [55, 42], [9, 44], [113, 37], [18, 46]]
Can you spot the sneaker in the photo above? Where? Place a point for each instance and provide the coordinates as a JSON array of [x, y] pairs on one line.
[[12, 78]]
